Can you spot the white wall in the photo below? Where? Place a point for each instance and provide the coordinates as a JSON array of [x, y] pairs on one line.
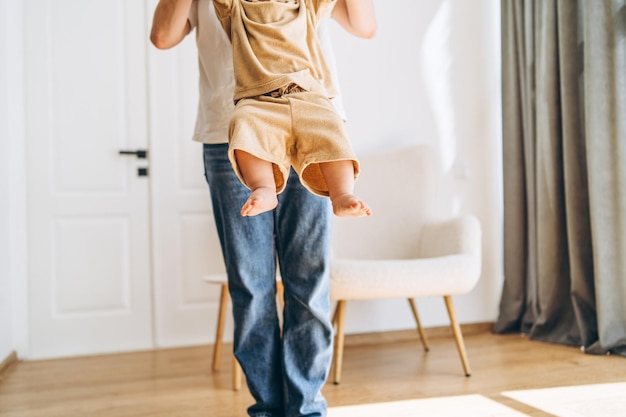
[[431, 75], [12, 221], [6, 337]]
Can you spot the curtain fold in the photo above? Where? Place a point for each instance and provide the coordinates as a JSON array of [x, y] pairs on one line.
[[564, 153]]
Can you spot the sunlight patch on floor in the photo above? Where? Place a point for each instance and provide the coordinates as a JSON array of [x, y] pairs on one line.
[[597, 400], [464, 405]]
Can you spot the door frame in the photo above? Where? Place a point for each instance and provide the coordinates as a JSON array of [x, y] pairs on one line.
[[13, 60]]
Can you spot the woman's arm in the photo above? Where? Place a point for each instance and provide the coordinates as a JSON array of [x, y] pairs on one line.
[[356, 16], [170, 23]]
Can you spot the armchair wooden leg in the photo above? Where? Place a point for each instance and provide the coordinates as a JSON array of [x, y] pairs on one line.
[[420, 329], [221, 319], [458, 336], [339, 318], [334, 319]]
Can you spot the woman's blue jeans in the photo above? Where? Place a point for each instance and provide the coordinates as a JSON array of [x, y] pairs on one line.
[[286, 370]]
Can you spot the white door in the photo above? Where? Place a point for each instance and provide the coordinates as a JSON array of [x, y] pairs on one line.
[[88, 210], [185, 243]]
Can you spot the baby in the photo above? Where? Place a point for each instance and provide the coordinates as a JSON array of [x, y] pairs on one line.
[[283, 115]]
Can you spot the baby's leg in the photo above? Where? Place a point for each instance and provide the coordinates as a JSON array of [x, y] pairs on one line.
[[339, 176], [259, 177]]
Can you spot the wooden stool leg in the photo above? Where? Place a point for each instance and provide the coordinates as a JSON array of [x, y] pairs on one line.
[[339, 317], [219, 334], [458, 336], [420, 329], [280, 293], [237, 375]]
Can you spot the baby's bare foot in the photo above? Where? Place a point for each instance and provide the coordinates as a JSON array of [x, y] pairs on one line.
[[347, 205], [261, 200]]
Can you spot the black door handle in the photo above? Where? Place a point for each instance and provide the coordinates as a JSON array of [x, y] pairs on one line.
[[139, 153]]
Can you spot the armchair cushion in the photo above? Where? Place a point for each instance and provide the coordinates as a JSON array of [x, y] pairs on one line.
[[452, 266]]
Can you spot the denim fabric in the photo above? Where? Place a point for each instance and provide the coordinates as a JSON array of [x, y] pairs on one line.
[[285, 373]]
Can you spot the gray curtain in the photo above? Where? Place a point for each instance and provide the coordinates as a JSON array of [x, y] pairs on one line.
[[564, 145]]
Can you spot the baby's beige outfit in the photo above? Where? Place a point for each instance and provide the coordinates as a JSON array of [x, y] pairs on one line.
[[283, 113]]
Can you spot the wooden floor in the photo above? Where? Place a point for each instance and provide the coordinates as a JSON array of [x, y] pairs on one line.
[[377, 368]]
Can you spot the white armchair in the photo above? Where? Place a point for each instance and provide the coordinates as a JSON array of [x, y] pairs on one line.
[[405, 249]]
